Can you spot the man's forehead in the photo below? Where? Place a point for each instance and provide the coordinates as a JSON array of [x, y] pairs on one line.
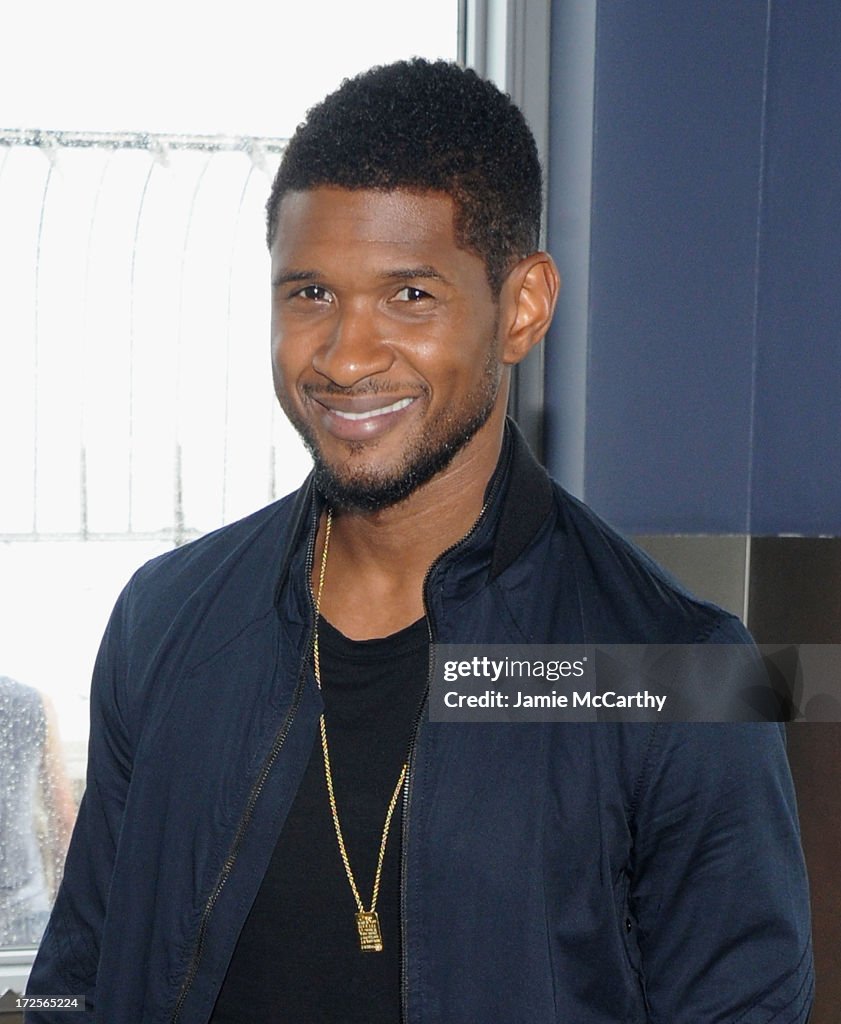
[[331, 213], [341, 233]]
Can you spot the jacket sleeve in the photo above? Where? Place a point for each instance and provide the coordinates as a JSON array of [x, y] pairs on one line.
[[719, 896], [66, 963]]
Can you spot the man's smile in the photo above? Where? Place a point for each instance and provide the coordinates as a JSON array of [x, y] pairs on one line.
[[362, 417], [359, 410]]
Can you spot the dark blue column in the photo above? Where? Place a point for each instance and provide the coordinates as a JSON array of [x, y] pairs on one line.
[[703, 393], [796, 478]]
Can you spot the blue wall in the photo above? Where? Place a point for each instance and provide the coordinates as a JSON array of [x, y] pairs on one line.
[[711, 368]]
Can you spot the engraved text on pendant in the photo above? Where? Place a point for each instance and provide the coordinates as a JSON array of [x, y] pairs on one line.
[[370, 936]]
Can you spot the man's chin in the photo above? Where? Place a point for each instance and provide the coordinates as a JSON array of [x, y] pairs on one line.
[[365, 493]]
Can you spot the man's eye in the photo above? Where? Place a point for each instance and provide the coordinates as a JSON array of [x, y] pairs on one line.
[[409, 294], [315, 293]]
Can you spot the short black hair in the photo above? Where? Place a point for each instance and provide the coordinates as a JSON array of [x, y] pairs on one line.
[[426, 126]]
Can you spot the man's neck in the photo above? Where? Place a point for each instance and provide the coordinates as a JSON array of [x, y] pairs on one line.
[[377, 562]]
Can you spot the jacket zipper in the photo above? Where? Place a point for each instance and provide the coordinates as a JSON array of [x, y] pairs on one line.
[[230, 861], [407, 786], [245, 820]]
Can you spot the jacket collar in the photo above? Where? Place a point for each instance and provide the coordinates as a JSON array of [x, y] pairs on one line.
[[526, 502]]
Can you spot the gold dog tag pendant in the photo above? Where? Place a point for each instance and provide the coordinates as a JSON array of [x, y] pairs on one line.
[[370, 936]]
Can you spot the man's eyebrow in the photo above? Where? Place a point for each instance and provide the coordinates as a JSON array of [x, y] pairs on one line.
[[423, 272], [413, 273], [289, 276]]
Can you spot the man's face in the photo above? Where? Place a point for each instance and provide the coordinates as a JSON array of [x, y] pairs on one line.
[[384, 339]]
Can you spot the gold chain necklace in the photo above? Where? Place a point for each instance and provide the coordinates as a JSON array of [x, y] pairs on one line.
[[367, 921]]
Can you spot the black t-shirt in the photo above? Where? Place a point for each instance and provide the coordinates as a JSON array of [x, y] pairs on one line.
[[298, 958]]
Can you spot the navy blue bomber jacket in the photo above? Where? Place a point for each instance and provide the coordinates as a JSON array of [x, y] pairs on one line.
[[642, 873]]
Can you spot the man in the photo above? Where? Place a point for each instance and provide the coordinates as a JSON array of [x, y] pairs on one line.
[[273, 829]]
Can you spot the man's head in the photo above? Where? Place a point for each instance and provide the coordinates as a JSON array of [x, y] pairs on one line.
[[421, 127], [403, 224]]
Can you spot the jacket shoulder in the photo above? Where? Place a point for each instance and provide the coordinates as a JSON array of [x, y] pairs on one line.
[[625, 596], [215, 586], [186, 567]]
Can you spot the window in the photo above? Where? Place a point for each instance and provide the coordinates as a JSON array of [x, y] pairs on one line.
[[136, 409]]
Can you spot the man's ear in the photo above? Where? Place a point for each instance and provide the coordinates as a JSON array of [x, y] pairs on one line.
[[527, 302]]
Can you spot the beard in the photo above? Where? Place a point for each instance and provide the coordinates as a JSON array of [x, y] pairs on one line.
[[356, 489]]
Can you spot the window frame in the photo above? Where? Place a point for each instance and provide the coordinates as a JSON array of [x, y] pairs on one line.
[[509, 42]]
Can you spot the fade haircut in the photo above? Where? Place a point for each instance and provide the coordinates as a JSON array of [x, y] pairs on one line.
[[426, 126]]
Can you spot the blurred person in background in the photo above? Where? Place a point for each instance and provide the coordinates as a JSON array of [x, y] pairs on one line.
[[36, 812]]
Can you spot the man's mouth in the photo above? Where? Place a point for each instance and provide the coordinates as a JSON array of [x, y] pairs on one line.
[[401, 403], [362, 417]]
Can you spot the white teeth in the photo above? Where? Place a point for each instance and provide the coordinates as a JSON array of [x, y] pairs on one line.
[[394, 407]]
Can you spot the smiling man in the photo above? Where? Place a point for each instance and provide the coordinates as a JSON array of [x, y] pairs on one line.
[[274, 829]]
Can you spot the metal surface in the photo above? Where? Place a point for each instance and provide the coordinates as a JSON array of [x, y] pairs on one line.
[[712, 567], [136, 262]]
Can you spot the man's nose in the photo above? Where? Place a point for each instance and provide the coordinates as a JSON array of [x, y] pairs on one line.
[[355, 348]]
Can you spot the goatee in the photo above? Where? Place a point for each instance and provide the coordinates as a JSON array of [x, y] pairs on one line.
[[354, 489], [366, 491]]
